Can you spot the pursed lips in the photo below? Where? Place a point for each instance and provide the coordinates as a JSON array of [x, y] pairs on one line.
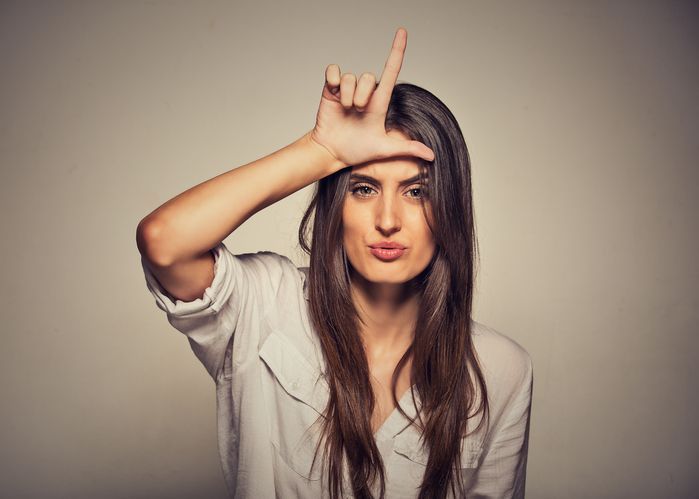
[[387, 245]]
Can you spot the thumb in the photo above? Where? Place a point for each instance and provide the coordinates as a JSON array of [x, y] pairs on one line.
[[402, 147]]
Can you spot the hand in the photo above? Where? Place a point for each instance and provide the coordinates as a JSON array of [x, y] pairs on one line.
[[352, 114]]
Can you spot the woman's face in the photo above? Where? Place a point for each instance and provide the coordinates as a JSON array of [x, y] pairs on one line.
[[387, 209]]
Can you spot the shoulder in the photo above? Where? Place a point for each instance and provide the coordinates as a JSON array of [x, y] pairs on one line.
[[263, 264], [266, 278], [262, 259], [500, 356]]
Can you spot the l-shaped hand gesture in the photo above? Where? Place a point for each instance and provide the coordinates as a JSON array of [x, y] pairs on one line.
[[352, 114]]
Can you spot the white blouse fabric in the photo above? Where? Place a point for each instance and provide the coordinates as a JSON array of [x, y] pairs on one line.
[[251, 331]]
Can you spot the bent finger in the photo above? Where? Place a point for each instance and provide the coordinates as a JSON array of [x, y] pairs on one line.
[[365, 88], [332, 78], [348, 82]]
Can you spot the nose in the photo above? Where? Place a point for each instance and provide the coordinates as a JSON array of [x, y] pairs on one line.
[[387, 216]]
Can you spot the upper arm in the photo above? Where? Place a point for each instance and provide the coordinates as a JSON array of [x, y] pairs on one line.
[[244, 287], [503, 470], [183, 280], [512, 440], [186, 280]]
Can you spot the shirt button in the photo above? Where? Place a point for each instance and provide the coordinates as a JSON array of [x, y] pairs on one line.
[[295, 384]]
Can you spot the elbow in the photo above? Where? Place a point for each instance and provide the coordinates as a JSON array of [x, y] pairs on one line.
[[148, 235]]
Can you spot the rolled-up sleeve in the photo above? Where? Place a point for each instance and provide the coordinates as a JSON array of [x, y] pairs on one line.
[[241, 283]]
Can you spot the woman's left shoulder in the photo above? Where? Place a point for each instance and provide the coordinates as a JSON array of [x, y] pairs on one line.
[[499, 353]]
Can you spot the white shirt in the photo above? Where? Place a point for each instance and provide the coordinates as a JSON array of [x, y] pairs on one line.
[[251, 331]]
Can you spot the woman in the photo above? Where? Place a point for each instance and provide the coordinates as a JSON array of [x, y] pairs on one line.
[[363, 374]]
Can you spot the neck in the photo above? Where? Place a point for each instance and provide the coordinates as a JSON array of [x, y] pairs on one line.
[[388, 313]]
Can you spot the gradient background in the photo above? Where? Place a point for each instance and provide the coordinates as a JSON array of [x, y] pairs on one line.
[[581, 118]]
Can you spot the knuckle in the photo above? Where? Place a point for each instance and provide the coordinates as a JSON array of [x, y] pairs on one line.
[[359, 101]]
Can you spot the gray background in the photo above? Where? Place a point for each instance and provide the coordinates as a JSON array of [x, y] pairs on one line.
[[582, 122]]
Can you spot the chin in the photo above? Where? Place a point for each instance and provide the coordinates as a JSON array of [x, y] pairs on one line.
[[389, 273]]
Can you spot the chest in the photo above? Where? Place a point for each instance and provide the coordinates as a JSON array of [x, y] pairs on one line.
[[381, 373], [282, 404]]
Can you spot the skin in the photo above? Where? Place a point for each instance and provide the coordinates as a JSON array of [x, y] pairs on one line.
[[175, 239], [350, 126], [386, 303]]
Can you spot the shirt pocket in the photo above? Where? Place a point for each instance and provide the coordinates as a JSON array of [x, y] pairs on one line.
[[407, 446], [296, 395]]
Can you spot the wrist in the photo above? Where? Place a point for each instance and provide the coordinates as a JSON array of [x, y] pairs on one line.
[[327, 158]]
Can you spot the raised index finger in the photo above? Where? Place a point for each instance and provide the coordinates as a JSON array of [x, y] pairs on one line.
[[382, 94]]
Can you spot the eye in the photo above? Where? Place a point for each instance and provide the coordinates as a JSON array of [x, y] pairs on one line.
[[420, 190], [361, 188]]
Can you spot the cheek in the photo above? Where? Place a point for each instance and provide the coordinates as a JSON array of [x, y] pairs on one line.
[[419, 227], [351, 229], [424, 242], [428, 246], [355, 219]]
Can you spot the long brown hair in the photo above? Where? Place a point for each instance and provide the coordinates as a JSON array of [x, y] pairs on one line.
[[445, 369]]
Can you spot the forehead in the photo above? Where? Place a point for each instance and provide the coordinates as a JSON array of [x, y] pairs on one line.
[[392, 169]]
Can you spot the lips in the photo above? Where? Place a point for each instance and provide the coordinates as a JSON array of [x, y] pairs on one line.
[[387, 251], [388, 245]]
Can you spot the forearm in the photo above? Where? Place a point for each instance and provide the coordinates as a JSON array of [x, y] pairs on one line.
[[199, 218]]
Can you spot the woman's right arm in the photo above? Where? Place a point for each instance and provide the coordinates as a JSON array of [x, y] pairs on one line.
[[177, 237]]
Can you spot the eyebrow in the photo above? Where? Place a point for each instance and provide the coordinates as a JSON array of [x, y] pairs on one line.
[[370, 179]]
